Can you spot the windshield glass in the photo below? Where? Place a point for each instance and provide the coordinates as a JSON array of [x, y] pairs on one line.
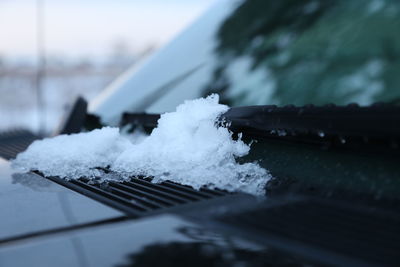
[[308, 52], [259, 52]]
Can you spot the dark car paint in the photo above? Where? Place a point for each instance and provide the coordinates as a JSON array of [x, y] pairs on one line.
[[99, 246], [29, 203], [45, 224]]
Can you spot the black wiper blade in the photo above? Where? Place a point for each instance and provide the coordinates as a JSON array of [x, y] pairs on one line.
[[140, 119], [375, 127]]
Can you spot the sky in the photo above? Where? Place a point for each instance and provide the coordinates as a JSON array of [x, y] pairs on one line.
[[90, 28]]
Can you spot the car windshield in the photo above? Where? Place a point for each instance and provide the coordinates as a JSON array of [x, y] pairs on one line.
[[308, 52]]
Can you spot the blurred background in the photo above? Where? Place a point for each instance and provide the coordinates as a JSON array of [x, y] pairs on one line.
[[250, 52], [51, 51]]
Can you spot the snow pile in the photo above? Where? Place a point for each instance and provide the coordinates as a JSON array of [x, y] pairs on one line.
[[75, 155], [186, 147]]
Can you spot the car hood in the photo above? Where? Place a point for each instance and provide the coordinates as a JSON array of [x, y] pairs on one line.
[[30, 204]]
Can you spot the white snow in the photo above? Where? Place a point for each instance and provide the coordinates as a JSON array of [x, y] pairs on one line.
[[75, 155], [186, 147]]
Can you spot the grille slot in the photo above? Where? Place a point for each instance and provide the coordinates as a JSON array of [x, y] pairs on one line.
[[171, 190], [14, 142], [159, 200], [161, 194], [139, 196]]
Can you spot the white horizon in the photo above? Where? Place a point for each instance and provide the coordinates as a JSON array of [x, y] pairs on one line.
[[89, 29]]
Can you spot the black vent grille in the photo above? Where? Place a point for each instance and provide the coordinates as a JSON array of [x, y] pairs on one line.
[[139, 196], [14, 142], [334, 233]]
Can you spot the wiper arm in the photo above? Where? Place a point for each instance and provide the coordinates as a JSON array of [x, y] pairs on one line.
[[375, 127]]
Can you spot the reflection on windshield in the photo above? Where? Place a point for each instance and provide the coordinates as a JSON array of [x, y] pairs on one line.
[[301, 52]]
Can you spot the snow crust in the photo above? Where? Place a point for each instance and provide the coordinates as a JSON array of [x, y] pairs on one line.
[[187, 147], [73, 156]]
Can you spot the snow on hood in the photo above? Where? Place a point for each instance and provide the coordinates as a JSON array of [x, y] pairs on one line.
[[186, 147]]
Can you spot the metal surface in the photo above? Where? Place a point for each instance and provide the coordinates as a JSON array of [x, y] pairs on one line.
[[105, 245], [374, 128], [326, 231], [31, 204], [76, 118], [140, 197]]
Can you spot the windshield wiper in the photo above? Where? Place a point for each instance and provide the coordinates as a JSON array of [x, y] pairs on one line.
[[375, 127]]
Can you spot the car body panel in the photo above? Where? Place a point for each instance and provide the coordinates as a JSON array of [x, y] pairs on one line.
[[29, 203], [190, 67], [101, 246]]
